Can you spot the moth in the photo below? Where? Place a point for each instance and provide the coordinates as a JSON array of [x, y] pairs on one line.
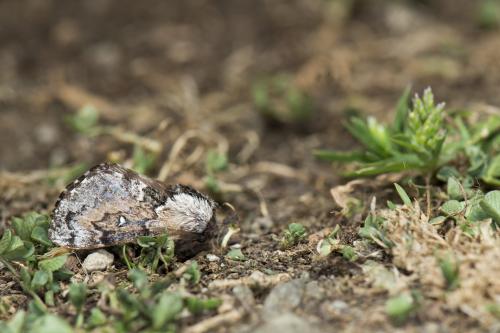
[[111, 205]]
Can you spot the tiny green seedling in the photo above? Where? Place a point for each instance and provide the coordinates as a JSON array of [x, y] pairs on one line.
[[295, 233], [278, 100], [215, 162], [450, 269], [153, 250], [329, 243], [77, 297], [142, 160], [85, 121], [197, 306], [236, 254], [192, 274], [488, 16], [399, 308], [374, 230], [349, 253]]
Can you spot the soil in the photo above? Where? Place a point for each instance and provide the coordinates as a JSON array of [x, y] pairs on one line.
[[161, 69]]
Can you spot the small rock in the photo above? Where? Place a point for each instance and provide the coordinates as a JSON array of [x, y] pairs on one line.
[[339, 305], [283, 298], [212, 257], [244, 295], [287, 322], [335, 309], [98, 261], [314, 290]]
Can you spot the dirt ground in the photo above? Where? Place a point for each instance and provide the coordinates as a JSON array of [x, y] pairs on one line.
[[181, 74]]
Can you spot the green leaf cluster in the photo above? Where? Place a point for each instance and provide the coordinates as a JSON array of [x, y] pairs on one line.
[[450, 269], [413, 142], [147, 307], [153, 307], [475, 208], [192, 274], [236, 254], [24, 244], [153, 251], [420, 140], [399, 308], [295, 233], [374, 229]]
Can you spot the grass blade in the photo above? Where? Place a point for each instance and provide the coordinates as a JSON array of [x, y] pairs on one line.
[[343, 156], [402, 111], [402, 193]]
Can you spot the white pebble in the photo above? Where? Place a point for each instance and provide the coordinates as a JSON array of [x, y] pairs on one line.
[[212, 257], [98, 261]]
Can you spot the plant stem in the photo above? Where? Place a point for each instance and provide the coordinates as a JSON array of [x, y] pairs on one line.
[[24, 287], [79, 319], [125, 257], [428, 194]]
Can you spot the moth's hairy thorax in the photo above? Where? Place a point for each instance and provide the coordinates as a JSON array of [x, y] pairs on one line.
[[190, 211], [111, 205]]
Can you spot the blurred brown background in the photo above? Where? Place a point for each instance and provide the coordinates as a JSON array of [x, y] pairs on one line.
[[192, 64]]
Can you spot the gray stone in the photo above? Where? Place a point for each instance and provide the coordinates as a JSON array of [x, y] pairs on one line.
[[283, 298], [335, 309], [314, 290], [244, 294], [289, 323], [98, 261]]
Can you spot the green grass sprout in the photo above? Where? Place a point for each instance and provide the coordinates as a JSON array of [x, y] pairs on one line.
[[295, 233], [413, 143]]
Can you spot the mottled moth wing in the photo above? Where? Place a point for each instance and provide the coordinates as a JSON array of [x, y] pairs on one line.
[[111, 205]]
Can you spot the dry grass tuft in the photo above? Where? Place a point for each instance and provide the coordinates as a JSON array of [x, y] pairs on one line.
[[420, 249]]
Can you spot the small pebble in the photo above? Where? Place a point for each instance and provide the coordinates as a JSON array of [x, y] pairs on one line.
[[98, 261], [244, 295], [212, 257], [283, 298]]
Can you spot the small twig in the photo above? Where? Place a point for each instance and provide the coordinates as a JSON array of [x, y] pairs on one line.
[[279, 169], [210, 324], [253, 142], [255, 279], [130, 137], [230, 232], [77, 97], [174, 152], [262, 204], [34, 176]]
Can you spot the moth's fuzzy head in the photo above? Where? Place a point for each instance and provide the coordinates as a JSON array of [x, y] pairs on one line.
[[187, 209]]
